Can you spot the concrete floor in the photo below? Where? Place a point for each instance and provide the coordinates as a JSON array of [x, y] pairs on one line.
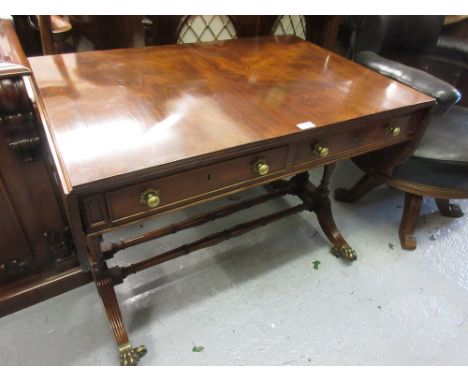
[[257, 299]]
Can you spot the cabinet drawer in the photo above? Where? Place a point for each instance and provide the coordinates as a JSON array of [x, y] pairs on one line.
[[129, 202], [352, 139]]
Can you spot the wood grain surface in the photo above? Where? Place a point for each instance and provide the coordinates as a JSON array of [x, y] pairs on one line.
[[113, 113]]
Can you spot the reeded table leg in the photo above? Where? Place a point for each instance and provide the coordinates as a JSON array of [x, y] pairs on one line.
[[318, 197], [129, 356]]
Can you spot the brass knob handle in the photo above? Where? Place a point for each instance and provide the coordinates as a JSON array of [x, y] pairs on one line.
[[321, 150], [261, 167], [394, 130], [150, 198]]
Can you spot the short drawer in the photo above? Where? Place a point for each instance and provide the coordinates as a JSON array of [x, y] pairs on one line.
[[161, 193], [350, 140]]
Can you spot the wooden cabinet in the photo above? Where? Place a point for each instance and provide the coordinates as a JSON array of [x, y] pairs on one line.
[[14, 247], [37, 254]]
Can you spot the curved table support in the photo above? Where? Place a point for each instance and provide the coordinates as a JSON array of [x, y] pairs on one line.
[[314, 199], [318, 197]]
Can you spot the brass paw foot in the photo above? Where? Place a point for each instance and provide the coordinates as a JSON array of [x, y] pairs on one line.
[[345, 252], [130, 356]]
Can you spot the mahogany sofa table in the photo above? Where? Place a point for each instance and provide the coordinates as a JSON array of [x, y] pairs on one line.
[[138, 132]]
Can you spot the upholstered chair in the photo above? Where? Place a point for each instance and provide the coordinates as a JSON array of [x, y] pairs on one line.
[[439, 166]]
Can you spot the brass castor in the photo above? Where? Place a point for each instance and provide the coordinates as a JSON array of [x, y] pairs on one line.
[[130, 356], [345, 252]]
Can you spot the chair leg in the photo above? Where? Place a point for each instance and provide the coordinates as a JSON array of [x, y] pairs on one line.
[[409, 219], [448, 209], [366, 184]]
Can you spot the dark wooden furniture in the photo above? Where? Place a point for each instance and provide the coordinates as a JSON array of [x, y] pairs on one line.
[[36, 240], [439, 167], [37, 258], [44, 34], [137, 132], [100, 32], [53, 30], [424, 175]]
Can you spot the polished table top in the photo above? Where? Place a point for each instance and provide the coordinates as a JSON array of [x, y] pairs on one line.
[[121, 111]]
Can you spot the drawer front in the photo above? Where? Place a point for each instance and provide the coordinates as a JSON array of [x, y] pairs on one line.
[[127, 202], [352, 139]]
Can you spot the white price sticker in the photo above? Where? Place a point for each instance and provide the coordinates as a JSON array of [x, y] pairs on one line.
[[305, 125]]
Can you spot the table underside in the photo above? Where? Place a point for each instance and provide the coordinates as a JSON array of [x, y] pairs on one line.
[[313, 199]]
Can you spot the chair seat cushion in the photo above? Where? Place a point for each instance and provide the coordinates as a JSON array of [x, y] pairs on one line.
[[435, 173], [446, 137]]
